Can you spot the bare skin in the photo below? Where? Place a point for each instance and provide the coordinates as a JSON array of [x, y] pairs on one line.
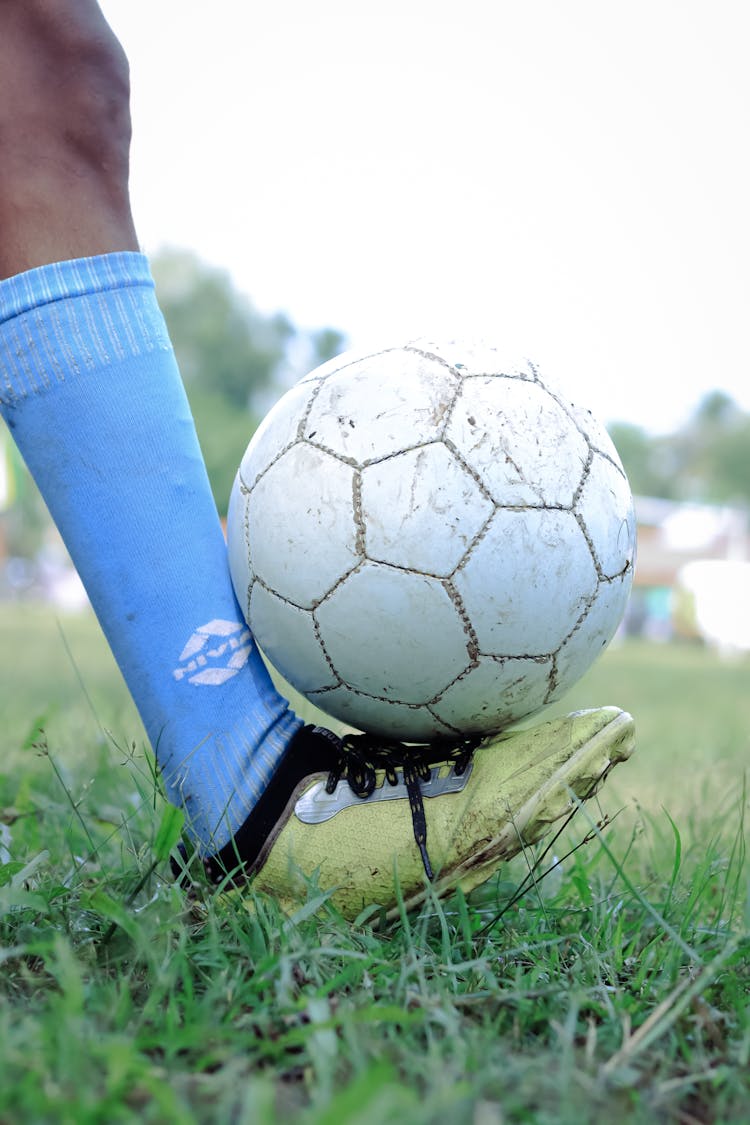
[[64, 135]]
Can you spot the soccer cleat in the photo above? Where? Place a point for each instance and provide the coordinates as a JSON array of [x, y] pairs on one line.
[[364, 818]]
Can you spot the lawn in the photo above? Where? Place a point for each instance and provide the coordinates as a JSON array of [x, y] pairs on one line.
[[616, 988]]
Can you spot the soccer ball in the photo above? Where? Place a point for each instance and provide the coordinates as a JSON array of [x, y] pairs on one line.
[[427, 541]]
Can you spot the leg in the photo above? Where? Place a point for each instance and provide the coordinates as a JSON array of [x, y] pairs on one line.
[[64, 135], [91, 393]]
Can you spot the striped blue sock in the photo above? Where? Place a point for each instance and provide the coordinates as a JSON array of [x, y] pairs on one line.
[[90, 390]]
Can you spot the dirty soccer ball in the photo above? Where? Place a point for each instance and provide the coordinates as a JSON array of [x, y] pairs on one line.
[[428, 541]]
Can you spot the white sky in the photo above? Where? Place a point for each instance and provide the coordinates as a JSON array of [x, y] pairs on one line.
[[567, 178]]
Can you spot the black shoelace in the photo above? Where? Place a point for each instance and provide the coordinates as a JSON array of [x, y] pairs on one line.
[[363, 755]]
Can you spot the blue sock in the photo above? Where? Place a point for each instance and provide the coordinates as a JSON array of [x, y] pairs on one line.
[[90, 390]]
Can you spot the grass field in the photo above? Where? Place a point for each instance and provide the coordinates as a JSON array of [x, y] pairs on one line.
[[616, 989]]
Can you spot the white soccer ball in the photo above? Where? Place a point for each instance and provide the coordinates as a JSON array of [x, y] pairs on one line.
[[427, 541]]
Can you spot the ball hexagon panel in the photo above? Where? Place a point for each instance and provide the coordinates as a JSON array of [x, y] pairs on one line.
[[527, 581], [408, 642], [519, 440], [337, 363], [421, 510], [494, 693], [288, 638], [277, 431], [592, 634], [378, 716], [301, 540], [380, 406], [595, 433], [606, 507], [474, 357]]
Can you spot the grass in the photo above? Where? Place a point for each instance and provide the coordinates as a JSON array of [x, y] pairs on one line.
[[615, 989]]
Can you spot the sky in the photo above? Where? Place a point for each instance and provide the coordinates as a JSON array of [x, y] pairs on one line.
[[567, 180]]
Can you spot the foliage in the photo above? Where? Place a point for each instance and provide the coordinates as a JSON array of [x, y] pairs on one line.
[[223, 345], [614, 989], [708, 459], [24, 523], [233, 359], [645, 460], [224, 433]]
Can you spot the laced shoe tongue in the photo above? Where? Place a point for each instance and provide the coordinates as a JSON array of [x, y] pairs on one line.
[[414, 789], [362, 755]]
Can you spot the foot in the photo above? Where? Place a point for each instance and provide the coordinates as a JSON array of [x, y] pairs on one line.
[[360, 821], [64, 135]]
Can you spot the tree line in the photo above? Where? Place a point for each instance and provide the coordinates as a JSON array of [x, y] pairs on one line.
[[706, 460], [235, 360]]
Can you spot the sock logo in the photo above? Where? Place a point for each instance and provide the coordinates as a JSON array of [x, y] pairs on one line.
[[215, 652]]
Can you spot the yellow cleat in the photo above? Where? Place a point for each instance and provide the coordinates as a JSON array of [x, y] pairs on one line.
[[373, 817]]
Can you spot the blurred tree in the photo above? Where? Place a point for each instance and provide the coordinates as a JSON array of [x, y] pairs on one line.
[[646, 460], [716, 410], [223, 344], [234, 360], [707, 459], [732, 464], [23, 513], [715, 447], [325, 344]]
